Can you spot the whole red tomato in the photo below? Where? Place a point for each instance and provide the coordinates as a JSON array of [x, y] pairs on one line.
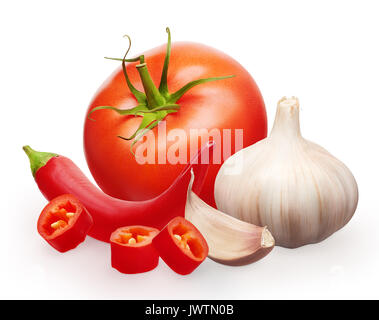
[[233, 103]]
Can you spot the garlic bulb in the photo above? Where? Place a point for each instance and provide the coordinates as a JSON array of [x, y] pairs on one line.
[[230, 241], [295, 187]]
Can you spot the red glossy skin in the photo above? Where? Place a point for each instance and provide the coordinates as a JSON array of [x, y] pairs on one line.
[[234, 103], [70, 236], [134, 258], [60, 176], [174, 253]]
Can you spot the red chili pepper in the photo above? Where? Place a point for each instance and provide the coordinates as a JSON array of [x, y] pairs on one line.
[[56, 175], [132, 250], [64, 222], [181, 246]]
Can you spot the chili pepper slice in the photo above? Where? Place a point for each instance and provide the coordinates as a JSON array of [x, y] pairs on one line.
[[132, 250], [64, 222], [181, 246]]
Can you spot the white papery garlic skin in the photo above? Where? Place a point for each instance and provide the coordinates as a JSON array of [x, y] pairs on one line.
[[293, 186]]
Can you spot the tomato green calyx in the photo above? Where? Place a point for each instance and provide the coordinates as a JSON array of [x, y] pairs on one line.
[[37, 159], [154, 104]]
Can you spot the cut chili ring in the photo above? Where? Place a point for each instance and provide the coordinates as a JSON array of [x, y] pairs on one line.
[[64, 222], [132, 250], [181, 246]]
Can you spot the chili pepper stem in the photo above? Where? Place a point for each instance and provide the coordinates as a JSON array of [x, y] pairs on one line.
[[37, 159]]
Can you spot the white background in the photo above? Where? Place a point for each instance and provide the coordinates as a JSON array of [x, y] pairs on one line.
[[324, 52]]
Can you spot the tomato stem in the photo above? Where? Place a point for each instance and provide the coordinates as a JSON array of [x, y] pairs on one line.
[[153, 96]]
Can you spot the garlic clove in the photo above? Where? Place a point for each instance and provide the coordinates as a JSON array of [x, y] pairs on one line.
[[294, 186], [230, 241]]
